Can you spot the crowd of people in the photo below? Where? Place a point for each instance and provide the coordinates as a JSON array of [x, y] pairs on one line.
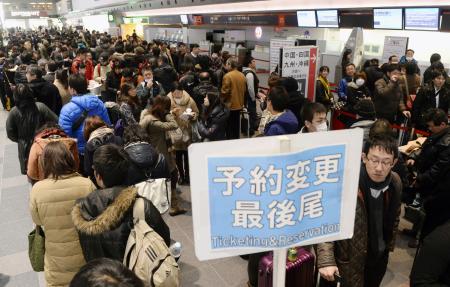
[[85, 153]]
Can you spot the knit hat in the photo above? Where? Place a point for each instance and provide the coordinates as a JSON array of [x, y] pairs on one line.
[[365, 109]]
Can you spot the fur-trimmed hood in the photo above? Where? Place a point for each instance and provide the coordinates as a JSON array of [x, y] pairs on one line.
[[93, 215]]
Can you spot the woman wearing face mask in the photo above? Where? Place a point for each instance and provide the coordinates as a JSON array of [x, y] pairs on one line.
[[357, 90], [148, 89], [212, 126], [185, 110]]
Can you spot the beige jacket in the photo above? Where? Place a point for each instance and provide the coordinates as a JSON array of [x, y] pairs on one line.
[[185, 125], [51, 203], [234, 87], [156, 130]]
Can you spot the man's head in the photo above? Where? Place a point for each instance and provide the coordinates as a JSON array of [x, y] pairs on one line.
[[110, 166], [277, 100], [350, 70], [374, 62], [250, 62], [436, 120], [182, 48], [314, 116], [195, 49], [104, 59], [393, 70], [81, 53], [379, 156], [77, 85], [438, 79], [173, 48], [204, 77], [147, 73], [51, 66], [232, 64], [34, 72], [434, 58], [393, 59]]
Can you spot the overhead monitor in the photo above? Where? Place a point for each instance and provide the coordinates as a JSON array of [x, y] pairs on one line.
[[306, 18], [327, 19], [422, 19], [356, 18], [388, 18], [184, 19]]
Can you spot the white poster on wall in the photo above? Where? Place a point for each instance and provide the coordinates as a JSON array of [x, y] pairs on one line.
[[394, 46], [275, 46]]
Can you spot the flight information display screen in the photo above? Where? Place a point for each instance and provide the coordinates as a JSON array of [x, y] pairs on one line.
[[306, 18], [422, 19], [388, 19], [327, 18]]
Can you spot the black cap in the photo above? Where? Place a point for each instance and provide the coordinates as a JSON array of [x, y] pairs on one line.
[[365, 108]]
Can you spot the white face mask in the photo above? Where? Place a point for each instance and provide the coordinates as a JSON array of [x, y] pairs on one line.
[[359, 82], [323, 127], [409, 58], [177, 101]]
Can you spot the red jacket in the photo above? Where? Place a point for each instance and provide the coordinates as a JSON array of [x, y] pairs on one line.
[[89, 74]]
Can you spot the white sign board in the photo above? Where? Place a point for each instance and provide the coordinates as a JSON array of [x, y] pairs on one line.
[[301, 64], [249, 197], [275, 46], [394, 46]]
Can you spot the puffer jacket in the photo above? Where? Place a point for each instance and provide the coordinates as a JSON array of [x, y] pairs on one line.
[[156, 130], [104, 220], [214, 127], [433, 179], [51, 204], [285, 124], [351, 255], [72, 111], [35, 170], [14, 128], [145, 163], [185, 125], [98, 138], [46, 93]]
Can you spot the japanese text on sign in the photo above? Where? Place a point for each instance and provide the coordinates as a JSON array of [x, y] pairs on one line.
[[275, 201]]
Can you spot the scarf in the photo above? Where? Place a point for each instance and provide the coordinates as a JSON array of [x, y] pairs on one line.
[[100, 132], [374, 203], [326, 86]]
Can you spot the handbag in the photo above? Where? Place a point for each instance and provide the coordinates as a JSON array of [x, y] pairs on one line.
[[157, 192], [196, 137], [36, 248]]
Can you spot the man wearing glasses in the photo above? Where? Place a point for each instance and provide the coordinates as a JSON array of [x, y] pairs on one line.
[[362, 260]]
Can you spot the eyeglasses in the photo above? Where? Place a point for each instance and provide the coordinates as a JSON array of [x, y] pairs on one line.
[[376, 162]]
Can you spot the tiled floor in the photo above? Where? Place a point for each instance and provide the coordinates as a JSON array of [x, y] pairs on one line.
[[15, 223]]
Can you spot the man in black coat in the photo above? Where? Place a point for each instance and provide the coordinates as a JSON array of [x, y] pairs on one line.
[[373, 73], [433, 171], [296, 98], [43, 91], [165, 74], [104, 218], [205, 86]]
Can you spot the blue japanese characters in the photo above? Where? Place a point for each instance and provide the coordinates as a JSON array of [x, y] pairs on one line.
[[275, 201]]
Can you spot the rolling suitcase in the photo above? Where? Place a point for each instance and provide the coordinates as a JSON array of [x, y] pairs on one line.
[[244, 127], [299, 273]]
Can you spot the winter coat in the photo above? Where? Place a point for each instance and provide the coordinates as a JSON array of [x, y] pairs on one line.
[[63, 92], [185, 125], [100, 137], [72, 111], [146, 95], [388, 99], [34, 169], [433, 179], [285, 124], [104, 220], [156, 129], [321, 95], [214, 127], [46, 93], [112, 85], [145, 163], [51, 203], [166, 75], [14, 127], [49, 77], [373, 74], [199, 92], [234, 87], [432, 263], [426, 99], [295, 105], [130, 114], [351, 255], [354, 94], [342, 88]]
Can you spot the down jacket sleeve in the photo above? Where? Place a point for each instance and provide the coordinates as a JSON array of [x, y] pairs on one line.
[[211, 130], [436, 171]]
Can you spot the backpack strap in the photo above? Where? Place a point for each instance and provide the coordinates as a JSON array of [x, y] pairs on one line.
[[139, 209]]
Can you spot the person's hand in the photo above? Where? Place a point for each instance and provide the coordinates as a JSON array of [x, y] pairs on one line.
[[407, 114], [394, 78], [368, 98], [410, 162], [176, 111], [328, 272]]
